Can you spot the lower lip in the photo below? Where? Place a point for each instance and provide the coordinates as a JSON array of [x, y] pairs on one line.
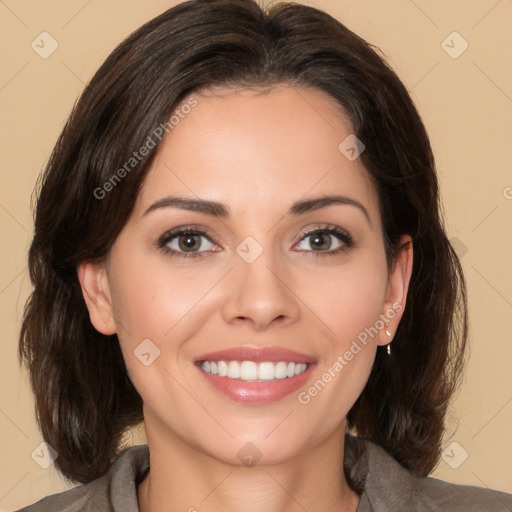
[[257, 392]]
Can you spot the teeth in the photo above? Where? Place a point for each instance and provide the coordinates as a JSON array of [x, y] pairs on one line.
[[250, 370], [222, 368], [233, 370]]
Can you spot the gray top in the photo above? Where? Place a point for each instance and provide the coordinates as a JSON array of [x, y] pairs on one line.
[[384, 486]]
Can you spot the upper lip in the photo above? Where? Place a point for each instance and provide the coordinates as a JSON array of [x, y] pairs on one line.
[[257, 354]]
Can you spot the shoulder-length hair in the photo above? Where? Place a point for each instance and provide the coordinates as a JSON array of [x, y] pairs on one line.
[[84, 399]]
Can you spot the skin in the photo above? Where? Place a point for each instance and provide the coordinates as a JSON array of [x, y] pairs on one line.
[[258, 153]]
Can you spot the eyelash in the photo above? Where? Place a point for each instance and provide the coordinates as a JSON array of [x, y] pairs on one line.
[[342, 235]]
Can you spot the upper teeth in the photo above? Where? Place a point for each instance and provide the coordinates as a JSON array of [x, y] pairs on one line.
[[250, 370]]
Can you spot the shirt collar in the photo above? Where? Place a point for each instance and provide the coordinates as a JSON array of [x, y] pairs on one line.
[[381, 481], [127, 471]]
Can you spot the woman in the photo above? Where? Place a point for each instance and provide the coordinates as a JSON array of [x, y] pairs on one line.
[[238, 241]]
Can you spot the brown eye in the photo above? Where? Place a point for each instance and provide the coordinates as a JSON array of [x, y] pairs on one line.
[[320, 241], [186, 242], [325, 240], [189, 242]]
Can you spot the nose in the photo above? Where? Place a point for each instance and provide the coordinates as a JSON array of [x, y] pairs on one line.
[[260, 295]]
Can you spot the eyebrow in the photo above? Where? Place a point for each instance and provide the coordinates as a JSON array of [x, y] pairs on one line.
[[220, 210]]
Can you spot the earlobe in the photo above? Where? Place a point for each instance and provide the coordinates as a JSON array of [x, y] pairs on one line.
[[398, 286], [96, 292]]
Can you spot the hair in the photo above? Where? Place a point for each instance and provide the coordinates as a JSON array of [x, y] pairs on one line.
[[84, 399]]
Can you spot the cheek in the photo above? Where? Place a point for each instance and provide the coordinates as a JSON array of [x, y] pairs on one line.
[[348, 298], [150, 297], [153, 301]]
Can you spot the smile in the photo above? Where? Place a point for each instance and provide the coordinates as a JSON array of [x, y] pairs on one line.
[[255, 375], [254, 371]]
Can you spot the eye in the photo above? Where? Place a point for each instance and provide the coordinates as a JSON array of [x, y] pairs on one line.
[[186, 242], [324, 241]]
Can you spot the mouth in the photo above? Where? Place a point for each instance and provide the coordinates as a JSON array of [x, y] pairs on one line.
[[256, 375]]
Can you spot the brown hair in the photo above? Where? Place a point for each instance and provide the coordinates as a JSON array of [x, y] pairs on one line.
[[84, 398]]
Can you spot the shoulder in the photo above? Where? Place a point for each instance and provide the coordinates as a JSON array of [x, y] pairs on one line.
[[386, 485], [116, 490], [441, 495]]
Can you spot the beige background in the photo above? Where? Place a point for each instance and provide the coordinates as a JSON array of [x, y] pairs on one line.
[[466, 104]]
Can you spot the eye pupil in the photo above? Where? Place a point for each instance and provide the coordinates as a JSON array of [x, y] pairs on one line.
[[189, 242], [320, 241]]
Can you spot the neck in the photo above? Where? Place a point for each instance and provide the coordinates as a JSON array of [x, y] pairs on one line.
[[182, 478]]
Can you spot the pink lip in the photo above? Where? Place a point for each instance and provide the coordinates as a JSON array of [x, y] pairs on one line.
[[256, 354], [257, 392]]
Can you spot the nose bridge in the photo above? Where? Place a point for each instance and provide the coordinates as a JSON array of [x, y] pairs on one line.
[[258, 291]]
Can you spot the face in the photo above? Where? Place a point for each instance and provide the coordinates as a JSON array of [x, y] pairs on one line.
[[254, 235]]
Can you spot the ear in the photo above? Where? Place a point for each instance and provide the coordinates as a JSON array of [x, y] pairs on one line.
[[95, 289], [396, 293]]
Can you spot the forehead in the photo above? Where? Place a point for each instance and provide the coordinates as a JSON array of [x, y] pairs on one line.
[[258, 147]]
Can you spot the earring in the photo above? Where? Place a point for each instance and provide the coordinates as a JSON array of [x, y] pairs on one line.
[[389, 344]]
